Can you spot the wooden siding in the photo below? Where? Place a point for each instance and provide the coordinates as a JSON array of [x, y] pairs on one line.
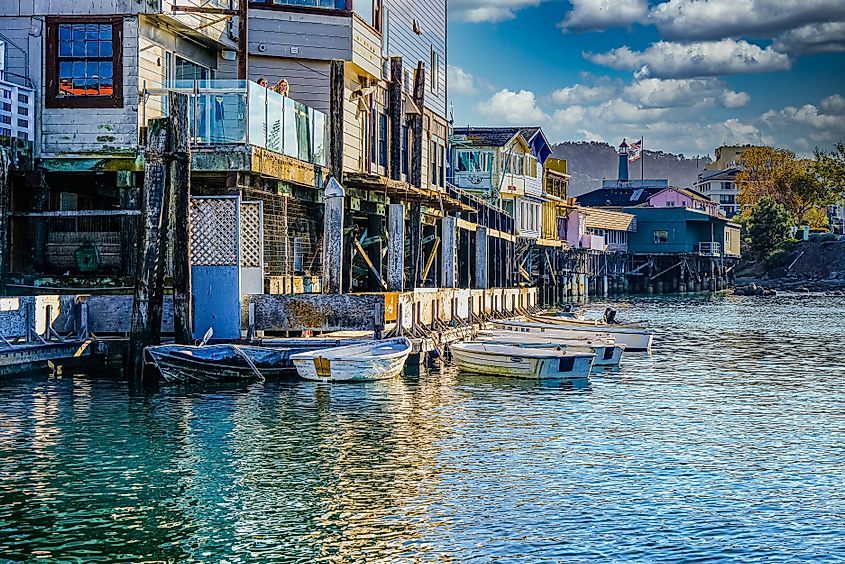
[[272, 33], [366, 48], [430, 16], [100, 130]]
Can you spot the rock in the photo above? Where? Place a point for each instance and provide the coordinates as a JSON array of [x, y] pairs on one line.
[[803, 289], [770, 292]]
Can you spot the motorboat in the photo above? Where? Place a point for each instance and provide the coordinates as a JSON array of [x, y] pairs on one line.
[[521, 362], [634, 339], [607, 352]]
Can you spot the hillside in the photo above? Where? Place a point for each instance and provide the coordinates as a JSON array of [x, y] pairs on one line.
[[590, 161]]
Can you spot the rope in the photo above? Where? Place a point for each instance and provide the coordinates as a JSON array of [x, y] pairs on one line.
[[248, 360]]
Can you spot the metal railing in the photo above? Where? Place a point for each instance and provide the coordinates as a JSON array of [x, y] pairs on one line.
[[17, 111], [243, 112], [710, 248]]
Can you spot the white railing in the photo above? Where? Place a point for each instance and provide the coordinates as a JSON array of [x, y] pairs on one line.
[[17, 111], [710, 249]]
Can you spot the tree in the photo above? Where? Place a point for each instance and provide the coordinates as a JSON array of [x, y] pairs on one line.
[[768, 227], [830, 167], [794, 183]]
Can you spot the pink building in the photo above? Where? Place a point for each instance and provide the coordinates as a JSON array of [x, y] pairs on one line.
[[683, 198]]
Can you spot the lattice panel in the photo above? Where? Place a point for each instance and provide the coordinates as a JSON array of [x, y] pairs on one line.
[[251, 234], [214, 231]]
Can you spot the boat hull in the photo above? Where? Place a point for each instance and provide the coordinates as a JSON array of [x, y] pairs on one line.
[[635, 340], [380, 360], [607, 352], [560, 367], [175, 367]]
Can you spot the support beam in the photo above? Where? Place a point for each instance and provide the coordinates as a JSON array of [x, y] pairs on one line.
[[417, 128], [336, 101], [449, 252], [396, 247], [396, 116], [334, 201], [416, 244], [480, 273], [180, 200], [147, 305], [243, 40], [38, 227], [5, 192]]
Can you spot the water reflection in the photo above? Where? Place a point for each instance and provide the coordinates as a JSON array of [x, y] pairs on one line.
[[726, 443]]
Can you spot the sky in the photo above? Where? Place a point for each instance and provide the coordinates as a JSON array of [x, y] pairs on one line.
[[686, 75]]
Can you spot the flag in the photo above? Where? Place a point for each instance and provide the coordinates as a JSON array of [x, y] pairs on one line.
[[635, 150]]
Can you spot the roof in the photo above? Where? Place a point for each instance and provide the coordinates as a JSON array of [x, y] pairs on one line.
[[617, 197], [724, 174], [607, 219], [487, 136]]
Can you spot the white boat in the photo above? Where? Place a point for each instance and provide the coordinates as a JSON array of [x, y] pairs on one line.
[[633, 339], [607, 352], [520, 362], [377, 360], [565, 321]]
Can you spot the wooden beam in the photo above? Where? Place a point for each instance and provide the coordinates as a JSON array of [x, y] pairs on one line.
[[78, 213], [396, 247], [396, 116], [205, 10], [148, 297], [336, 101], [180, 200], [243, 40], [369, 263], [431, 258]]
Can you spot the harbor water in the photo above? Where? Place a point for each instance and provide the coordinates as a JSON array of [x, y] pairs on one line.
[[726, 443]]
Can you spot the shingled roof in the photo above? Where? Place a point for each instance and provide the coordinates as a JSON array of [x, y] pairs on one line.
[[617, 197], [487, 136]]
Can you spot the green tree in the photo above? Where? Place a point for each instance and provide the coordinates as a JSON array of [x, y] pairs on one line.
[[830, 167], [768, 227]]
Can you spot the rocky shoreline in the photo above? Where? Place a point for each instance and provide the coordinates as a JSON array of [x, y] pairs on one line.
[[771, 287]]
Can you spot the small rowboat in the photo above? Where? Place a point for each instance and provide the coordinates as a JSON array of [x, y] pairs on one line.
[[210, 363], [377, 360], [568, 321], [519, 362], [633, 339], [607, 352]]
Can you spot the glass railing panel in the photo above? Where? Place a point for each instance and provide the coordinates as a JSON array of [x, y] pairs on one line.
[[291, 144], [275, 121], [257, 115], [220, 118], [319, 138]]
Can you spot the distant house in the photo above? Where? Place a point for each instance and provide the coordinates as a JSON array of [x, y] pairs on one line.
[[656, 197], [719, 186], [682, 230], [598, 229], [506, 163]]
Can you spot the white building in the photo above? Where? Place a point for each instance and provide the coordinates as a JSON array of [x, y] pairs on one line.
[[720, 187]]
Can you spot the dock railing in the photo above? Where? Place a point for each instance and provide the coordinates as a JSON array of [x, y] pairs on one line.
[[245, 113], [710, 249]]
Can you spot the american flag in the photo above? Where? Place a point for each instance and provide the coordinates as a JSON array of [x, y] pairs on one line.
[[635, 150]]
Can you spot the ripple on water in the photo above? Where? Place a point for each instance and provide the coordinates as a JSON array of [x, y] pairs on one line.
[[727, 443]]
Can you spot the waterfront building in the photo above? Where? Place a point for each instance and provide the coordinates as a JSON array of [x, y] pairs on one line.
[[718, 179]]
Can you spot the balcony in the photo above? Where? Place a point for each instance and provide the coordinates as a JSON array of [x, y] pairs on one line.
[[710, 249], [17, 121], [236, 112]]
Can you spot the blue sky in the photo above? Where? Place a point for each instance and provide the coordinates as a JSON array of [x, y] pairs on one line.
[[688, 75]]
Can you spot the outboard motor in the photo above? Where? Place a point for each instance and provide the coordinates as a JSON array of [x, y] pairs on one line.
[[610, 316]]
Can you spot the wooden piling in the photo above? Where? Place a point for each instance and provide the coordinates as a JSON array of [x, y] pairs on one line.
[[40, 192], [5, 194], [147, 305], [333, 203], [336, 101], [396, 247], [180, 201], [416, 175], [449, 254], [396, 116], [480, 274]]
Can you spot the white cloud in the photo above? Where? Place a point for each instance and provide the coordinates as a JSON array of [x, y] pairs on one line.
[[590, 15], [813, 38], [460, 82], [512, 108], [679, 92], [717, 19], [686, 60], [581, 93], [490, 11], [833, 105], [809, 115], [732, 99]]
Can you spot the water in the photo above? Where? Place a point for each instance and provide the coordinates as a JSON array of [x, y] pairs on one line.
[[727, 443]]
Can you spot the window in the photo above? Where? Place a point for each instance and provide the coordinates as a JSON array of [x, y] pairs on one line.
[[189, 70], [670, 204], [473, 161], [727, 199], [434, 82], [382, 139], [368, 10], [661, 237], [330, 4], [84, 63], [406, 159]]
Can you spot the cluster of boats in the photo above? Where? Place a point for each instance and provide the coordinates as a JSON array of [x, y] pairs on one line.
[[542, 346]]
